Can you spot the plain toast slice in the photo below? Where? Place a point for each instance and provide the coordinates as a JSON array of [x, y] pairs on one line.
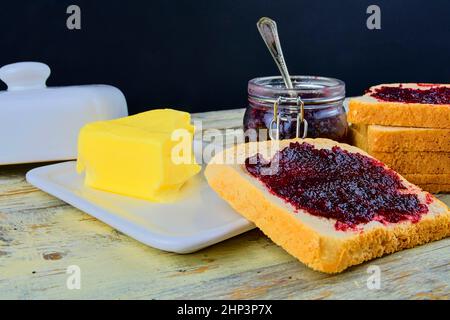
[[415, 162], [393, 139]]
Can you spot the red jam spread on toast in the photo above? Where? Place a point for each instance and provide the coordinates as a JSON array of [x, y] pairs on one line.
[[428, 95], [349, 187]]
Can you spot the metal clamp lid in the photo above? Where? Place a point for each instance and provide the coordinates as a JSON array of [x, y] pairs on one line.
[[278, 117]]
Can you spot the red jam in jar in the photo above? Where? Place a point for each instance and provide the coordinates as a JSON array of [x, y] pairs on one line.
[[323, 107], [349, 187]]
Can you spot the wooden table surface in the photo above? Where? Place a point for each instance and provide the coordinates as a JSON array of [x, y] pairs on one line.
[[41, 236]]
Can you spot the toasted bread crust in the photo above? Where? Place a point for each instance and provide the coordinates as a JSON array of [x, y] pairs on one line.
[[398, 114], [433, 183], [321, 252], [415, 162], [435, 188], [409, 152], [405, 162], [419, 178], [394, 139]]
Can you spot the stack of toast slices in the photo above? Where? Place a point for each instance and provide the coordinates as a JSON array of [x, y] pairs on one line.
[[314, 237], [409, 135]]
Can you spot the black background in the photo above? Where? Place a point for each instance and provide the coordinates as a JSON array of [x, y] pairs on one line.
[[198, 55]]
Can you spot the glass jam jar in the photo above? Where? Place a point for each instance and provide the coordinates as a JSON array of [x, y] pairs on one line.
[[313, 108]]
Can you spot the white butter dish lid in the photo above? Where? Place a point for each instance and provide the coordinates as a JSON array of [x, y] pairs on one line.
[[40, 123]]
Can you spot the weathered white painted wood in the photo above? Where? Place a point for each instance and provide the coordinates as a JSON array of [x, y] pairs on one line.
[[40, 237]]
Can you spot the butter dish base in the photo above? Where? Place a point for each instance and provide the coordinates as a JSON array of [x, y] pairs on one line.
[[198, 220]]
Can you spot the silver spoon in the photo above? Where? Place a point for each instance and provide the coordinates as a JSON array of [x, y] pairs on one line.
[[268, 30]]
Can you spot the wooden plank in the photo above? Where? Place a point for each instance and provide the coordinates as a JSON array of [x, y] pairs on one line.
[[40, 236]]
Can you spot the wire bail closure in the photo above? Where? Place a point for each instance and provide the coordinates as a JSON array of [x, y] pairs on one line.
[[277, 118]]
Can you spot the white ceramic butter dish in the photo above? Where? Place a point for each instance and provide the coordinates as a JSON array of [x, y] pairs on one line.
[[40, 123], [198, 220]]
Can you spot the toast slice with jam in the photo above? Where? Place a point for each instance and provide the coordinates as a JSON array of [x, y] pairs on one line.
[[419, 105], [328, 204]]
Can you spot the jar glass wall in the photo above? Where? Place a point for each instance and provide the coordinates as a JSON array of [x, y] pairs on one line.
[[323, 107]]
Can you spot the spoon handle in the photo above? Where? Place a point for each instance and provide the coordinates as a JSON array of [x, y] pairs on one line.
[[268, 30]]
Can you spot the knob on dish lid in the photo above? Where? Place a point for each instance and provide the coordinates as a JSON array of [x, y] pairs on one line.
[[25, 75]]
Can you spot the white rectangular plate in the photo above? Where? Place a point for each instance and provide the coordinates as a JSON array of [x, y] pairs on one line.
[[199, 219]]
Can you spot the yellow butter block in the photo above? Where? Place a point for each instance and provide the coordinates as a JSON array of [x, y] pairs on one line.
[[148, 155]]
